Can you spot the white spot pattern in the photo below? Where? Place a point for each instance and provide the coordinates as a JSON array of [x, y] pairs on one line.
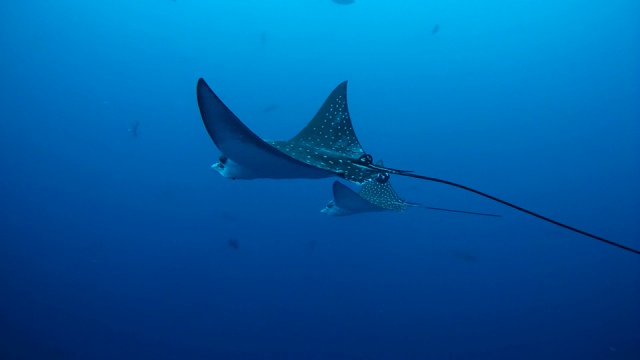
[[383, 196], [329, 140]]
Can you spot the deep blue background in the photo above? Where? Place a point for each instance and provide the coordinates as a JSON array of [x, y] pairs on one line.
[[115, 247]]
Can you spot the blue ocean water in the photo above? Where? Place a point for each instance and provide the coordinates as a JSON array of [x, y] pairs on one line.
[[116, 246]]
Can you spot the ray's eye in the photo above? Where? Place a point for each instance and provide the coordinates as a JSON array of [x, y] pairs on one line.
[[382, 178], [365, 159]]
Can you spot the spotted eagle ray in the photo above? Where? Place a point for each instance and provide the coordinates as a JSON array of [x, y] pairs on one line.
[[374, 196], [326, 147]]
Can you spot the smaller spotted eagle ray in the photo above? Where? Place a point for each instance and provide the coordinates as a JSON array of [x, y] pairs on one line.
[[326, 147], [374, 196]]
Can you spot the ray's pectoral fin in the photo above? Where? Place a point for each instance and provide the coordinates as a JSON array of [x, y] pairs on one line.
[[329, 141], [244, 154], [348, 202]]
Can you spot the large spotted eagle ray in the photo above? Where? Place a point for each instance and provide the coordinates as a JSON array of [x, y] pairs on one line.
[[326, 147]]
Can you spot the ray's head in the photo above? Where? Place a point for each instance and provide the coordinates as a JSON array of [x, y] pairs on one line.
[[232, 170], [333, 210], [221, 167]]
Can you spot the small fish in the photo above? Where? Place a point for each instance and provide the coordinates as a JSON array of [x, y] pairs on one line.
[[134, 129], [435, 29], [233, 243], [344, 2], [311, 245], [269, 108], [465, 256]]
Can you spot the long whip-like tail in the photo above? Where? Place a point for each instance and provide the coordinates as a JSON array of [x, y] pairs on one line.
[[366, 160], [456, 211]]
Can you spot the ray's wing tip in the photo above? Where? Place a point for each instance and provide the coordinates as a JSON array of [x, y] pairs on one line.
[[202, 85]]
